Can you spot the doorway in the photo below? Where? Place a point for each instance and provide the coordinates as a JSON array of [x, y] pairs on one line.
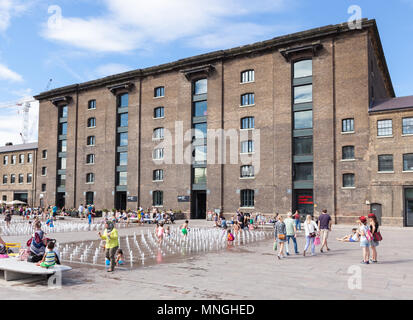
[[408, 195], [303, 202], [376, 208], [198, 205], [120, 200], [60, 199]]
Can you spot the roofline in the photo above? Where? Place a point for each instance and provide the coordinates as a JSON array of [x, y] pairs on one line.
[[19, 147], [406, 109], [272, 44]]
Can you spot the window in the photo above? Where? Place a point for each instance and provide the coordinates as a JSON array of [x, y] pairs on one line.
[[29, 178], [63, 129], [91, 105], [21, 178], [13, 159], [44, 171], [122, 179], [200, 153], [201, 87], [158, 154], [303, 94], [200, 131], [90, 178], [247, 99], [5, 160], [44, 154], [303, 69], [248, 123], [122, 159], [348, 153], [157, 198], [21, 158], [123, 100], [303, 146], [303, 120], [5, 179], [158, 134], [303, 172], [408, 126], [159, 112], [123, 120], [91, 141], [158, 175], [408, 162], [12, 178], [43, 187], [247, 146], [63, 112], [90, 159], [200, 175], [348, 125], [30, 158], [62, 163], [91, 123], [348, 180], [386, 163], [247, 198], [200, 109], [247, 172], [62, 146], [159, 92], [384, 128], [89, 197], [4, 198], [61, 180], [123, 139], [247, 76]]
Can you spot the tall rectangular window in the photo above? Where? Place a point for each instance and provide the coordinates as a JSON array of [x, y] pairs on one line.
[[21, 158], [123, 120], [408, 162], [303, 146], [247, 76], [247, 146], [408, 126], [5, 160], [247, 199], [5, 179], [44, 171], [200, 109], [200, 130], [200, 175], [91, 141], [123, 100], [63, 112], [303, 68], [303, 94], [90, 178], [13, 178], [91, 105], [30, 158], [200, 154], [384, 128], [348, 180], [62, 145], [21, 178], [159, 92], [386, 163], [63, 129], [122, 159], [44, 154], [159, 112], [123, 139], [122, 179], [62, 163], [303, 119], [157, 198], [201, 87], [158, 134], [89, 198], [43, 187], [13, 159], [29, 178], [348, 125], [61, 180]]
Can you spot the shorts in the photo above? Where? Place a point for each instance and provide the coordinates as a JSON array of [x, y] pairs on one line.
[[351, 240], [184, 232], [364, 244], [374, 243], [324, 234], [44, 265]]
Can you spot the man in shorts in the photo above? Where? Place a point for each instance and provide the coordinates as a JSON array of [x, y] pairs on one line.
[[324, 225]]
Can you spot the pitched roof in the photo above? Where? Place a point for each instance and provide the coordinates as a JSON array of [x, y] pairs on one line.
[[18, 147], [392, 104]]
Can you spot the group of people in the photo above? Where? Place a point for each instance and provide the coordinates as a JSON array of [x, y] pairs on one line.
[[316, 233]]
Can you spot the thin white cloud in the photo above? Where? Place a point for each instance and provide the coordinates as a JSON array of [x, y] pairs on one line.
[[10, 75], [111, 69], [11, 8], [128, 25]]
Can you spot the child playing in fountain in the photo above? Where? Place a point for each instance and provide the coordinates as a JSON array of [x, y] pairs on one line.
[[354, 237], [167, 232], [160, 232], [119, 257], [184, 228], [230, 237], [50, 257]]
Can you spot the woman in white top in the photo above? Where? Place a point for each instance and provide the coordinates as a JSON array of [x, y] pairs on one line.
[[311, 230]]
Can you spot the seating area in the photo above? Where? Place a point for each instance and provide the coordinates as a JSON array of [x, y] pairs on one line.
[[12, 269]]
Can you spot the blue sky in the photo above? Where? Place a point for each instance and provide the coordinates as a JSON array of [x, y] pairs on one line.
[[93, 39]]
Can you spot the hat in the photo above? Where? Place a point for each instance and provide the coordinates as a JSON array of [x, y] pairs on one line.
[[372, 215], [363, 219]]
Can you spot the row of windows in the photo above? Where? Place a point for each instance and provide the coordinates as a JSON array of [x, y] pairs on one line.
[[29, 178], [385, 127], [14, 159], [386, 162]]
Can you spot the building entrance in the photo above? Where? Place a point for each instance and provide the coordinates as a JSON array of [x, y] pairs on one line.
[[303, 202], [120, 200], [60, 199], [198, 205]]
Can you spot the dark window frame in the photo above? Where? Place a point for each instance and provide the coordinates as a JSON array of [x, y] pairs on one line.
[[247, 198]]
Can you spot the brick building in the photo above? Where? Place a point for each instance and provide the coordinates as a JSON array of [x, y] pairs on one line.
[[310, 96], [18, 172]]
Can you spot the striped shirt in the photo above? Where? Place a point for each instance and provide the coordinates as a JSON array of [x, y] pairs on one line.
[[50, 259]]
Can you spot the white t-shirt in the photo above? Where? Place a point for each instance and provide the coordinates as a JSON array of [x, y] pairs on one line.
[[310, 228]]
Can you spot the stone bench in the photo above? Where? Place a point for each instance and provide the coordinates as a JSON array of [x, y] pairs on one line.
[[14, 269]]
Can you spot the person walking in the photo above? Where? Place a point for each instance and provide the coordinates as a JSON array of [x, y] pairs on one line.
[[311, 230], [297, 220], [324, 225], [364, 242], [280, 235], [110, 235], [291, 233], [374, 228]]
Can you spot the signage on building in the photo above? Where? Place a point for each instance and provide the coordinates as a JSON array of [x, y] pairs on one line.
[[132, 199], [184, 198], [305, 200]]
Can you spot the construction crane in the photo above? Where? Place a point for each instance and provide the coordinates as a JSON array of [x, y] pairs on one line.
[[23, 105]]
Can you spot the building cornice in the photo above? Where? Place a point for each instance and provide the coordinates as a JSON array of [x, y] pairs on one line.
[[274, 44]]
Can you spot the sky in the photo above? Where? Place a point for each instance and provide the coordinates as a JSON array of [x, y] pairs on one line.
[[73, 41]]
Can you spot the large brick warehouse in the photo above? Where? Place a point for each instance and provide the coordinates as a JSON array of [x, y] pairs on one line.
[[332, 134]]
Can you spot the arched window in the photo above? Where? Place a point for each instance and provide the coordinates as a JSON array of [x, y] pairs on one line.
[[159, 92], [247, 76], [91, 123], [159, 112], [91, 140], [158, 134], [247, 99], [90, 159], [248, 123], [90, 178]]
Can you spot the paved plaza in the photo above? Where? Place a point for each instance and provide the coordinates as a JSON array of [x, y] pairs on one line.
[[248, 272]]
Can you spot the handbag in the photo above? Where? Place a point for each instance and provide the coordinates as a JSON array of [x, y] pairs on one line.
[[281, 236], [377, 237], [317, 241], [312, 234]]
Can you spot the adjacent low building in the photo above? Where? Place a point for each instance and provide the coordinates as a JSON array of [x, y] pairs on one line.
[[303, 107], [18, 173]]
